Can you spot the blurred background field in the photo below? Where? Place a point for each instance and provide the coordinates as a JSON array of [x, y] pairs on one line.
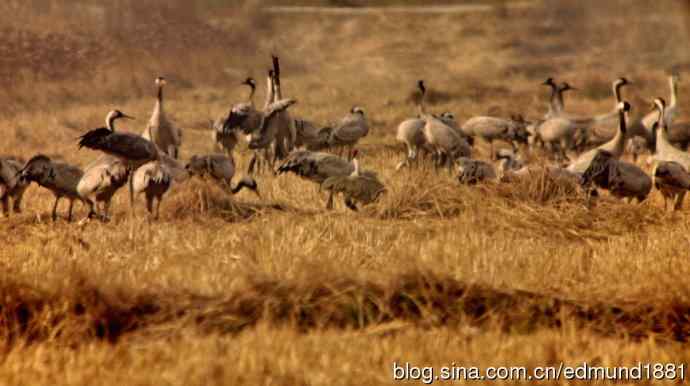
[[278, 291]]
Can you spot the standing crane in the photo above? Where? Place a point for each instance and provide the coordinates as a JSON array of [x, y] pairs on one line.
[[160, 129], [132, 149]]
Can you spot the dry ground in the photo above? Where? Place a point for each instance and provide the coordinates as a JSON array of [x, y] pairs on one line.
[[277, 291]]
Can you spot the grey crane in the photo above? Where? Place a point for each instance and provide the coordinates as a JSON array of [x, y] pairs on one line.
[[673, 181], [60, 178], [644, 126], [227, 140], [615, 147], [664, 150], [356, 188], [220, 168], [279, 132], [160, 130], [102, 179], [623, 179], [153, 179], [132, 149], [11, 186], [317, 167], [490, 129], [472, 171], [597, 136], [556, 102], [350, 129], [410, 133], [444, 141]]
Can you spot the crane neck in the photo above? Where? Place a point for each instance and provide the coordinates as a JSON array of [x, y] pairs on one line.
[[159, 98], [278, 95], [356, 164], [421, 108], [269, 90], [661, 135], [622, 127], [674, 91], [617, 92], [110, 122], [558, 94], [251, 94]]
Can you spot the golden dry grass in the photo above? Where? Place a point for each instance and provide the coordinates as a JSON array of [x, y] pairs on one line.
[[276, 290]]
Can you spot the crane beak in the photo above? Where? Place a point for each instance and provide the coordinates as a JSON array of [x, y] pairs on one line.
[[125, 116]]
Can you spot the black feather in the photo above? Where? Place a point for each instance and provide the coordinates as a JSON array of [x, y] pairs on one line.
[[94, 138], [232, 121]]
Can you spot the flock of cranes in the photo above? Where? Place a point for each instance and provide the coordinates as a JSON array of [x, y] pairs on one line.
[[149, 163]]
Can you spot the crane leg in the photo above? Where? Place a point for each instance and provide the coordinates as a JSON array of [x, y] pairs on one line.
[[149, 204], [252, 163], [679, 201], [17, 203], [55, 206], [350, 204], [69, 210], [106, 210], [329, 204], [131, 193], [6, 205], [158, 207]]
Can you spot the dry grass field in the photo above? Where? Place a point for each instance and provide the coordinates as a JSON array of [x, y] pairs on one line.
[[278, 291]]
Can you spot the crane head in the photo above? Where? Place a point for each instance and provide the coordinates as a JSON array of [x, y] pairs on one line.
[[659, 104], [421, 86], [160, 81], [565, 86], [357, 110], [116, 114], [622, 81], [249, 82], [549, 82]]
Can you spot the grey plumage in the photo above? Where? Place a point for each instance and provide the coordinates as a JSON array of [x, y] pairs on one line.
[[349, 130], [310, 136], [615, 146], [12, 188], [622, 179], [153, 179], [644, 126], [132, 149], [490, 129], [356, 188], [263, 136], [160, 129], [315, 166], [318, 167], [673, 181], [102, 179], [444, 141], [472, 171], [410, 132], [58, 177], [221, 169], [226, 140], [271, 127], [664, 150]]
